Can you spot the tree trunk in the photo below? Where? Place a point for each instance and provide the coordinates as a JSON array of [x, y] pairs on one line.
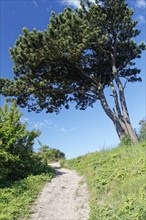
[[120, 131], [118, 109], [128, 125]]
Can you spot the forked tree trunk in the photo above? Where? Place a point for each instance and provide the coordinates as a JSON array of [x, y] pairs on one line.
[[120, 131], [118, 109], [123, 104]]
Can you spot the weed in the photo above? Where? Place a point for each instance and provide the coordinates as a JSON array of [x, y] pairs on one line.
[[116, 180], [15, 199]]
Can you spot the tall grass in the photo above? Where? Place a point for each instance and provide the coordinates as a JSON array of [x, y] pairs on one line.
[[117, 182], [16, 197]]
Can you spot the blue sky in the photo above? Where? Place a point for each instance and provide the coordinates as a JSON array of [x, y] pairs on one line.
[[72, 131]]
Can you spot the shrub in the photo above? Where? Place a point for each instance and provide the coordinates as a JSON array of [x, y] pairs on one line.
[[16, 198], [48, 154], [16, 145], [142, 132], [125, 141]]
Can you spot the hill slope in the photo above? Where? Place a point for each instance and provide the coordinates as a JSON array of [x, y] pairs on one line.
[[117, 182]]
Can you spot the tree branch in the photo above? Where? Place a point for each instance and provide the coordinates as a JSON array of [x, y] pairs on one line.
[[67, 91], [116, 100], [112, 115]]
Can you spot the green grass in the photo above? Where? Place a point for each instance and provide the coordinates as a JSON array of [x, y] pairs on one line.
[[117, 182], [16, 198]]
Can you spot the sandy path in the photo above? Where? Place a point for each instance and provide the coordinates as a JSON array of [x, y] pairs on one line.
[[64, 198]]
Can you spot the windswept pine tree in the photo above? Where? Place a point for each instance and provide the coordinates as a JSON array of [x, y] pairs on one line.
[[82, 52]]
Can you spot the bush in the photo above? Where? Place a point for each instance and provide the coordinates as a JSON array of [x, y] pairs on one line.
[[16, 198], [125, 141], [17, 159], [142, 132], [48, 154]]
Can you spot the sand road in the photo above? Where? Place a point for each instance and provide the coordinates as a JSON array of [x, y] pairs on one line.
[[64, 198]]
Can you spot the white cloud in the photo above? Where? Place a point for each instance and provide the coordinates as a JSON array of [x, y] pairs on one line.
[[35, 4], [141, 19], [45, 124], [63, 130], [41, 124], [66, 131], [74, 3], [38, 124], [141, 3]]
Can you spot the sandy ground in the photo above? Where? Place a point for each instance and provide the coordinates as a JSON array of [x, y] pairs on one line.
[[64, 198]]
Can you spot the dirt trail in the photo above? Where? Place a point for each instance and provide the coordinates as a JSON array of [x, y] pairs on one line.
[[64, 198]]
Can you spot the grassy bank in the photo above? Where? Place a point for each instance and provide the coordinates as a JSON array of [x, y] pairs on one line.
[[117, 182], [16, 198]]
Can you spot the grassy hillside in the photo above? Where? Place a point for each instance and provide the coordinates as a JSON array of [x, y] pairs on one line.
[[117, 182], [16, 197]]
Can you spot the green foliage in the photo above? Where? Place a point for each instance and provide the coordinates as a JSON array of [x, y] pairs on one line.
[[17, 159], [48, 154], [126, 141], [75, 57], [142, 132], [82, 52], [62, 162], [116, 180], [16, 198]]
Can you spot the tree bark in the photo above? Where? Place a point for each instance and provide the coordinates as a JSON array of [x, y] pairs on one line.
[[120, 131], [126, 117], [118, 109]]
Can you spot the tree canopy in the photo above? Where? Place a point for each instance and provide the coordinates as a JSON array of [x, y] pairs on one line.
[[79, 55]]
